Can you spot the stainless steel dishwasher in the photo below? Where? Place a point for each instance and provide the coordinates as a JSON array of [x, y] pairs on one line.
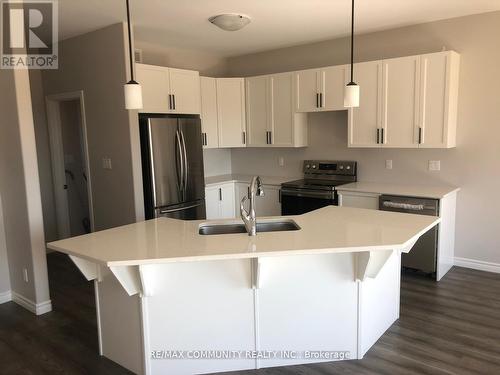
[[423, 255]]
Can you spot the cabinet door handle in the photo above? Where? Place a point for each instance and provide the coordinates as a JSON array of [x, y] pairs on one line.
[[244, 137], [220, 194], [378, 136], [173, 100], [321, 100], [420, 135], [170, 101], [270, 137], [382, 136], [317, 100]]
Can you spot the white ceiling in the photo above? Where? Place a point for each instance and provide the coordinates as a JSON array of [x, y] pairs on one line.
[[275, 23]]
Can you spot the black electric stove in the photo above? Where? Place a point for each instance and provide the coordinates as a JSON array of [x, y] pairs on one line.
[[317, 188]]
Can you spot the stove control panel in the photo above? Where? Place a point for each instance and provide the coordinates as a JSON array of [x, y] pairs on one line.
[[330, 167]]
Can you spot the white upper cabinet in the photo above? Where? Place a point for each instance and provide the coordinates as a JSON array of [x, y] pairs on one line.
[[320, 89], [271, 119], [166, 90], [401, 79], [332, 88], [231, 112], [185, 90], [438, 99], [258, 108], [407, 102], [155, 83], [209, 123], [364, 122], [288, 129], [307, 88]]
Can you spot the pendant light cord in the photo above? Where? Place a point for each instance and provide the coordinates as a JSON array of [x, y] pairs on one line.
[[352, 42], [130, 43]]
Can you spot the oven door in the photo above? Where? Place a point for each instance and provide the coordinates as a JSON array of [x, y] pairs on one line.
[[300, 201]]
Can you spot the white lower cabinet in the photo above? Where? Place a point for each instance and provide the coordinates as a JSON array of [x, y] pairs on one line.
[[219, 201], [267, 205], [358, 200]]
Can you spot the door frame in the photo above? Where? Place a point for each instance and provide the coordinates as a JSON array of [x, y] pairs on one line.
[[57, 158]]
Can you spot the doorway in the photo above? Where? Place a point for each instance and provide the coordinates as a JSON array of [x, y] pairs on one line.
[[70, 164]]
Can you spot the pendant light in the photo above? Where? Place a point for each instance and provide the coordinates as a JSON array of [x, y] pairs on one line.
[[133, 90], [351, 92]]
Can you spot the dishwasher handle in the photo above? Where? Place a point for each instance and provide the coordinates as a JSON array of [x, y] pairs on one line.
[[419, 206], [404, 206]]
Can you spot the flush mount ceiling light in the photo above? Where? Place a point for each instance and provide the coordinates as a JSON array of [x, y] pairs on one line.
[[230, 21]]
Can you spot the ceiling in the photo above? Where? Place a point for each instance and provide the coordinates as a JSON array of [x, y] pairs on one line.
[[275, 23]]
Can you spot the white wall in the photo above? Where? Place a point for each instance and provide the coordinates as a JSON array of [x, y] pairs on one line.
[[473, 165], [217, 161], [97, 63], [20, 191]]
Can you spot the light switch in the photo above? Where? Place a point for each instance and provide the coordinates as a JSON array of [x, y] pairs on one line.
[[434, 165], [388, 164], [281, 161]]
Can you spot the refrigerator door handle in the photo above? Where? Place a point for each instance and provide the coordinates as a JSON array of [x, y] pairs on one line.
[[186, 165], [180, 179], [162, 212]]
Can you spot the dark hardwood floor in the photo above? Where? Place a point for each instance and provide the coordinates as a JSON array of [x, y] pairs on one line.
[[450, 327]]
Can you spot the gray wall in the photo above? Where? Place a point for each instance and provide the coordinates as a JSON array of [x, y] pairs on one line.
[[4, 261], [97, 64], [473, 165], [20, 188], [43, 155], [208, 64]]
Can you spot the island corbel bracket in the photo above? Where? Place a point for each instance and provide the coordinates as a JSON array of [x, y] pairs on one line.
[[369, 263], [409, 245], [91, 270], [138, 279]]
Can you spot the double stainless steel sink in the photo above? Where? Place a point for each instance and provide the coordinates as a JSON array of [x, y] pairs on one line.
[[262, 226]]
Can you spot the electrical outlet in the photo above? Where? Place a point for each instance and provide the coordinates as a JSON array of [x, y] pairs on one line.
[[434, 165], [106, 163], [281, 161], [388, 164], [25, 275]]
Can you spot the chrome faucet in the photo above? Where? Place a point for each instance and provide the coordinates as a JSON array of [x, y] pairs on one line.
[[248, 217]]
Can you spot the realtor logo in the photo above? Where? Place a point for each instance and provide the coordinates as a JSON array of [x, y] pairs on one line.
[[29, 34]]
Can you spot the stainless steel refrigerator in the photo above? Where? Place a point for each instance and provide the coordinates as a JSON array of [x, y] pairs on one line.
[[172, 166]]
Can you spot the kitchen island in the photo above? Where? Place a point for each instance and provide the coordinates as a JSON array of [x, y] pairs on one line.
[[170, 300]]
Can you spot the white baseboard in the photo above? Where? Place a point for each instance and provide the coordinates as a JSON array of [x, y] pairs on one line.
[[35, 308], [5, 297], [477, 264]]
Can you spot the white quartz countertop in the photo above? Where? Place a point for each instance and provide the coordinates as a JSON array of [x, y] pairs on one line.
[[330, 229], [420, 191], [266, 180]]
